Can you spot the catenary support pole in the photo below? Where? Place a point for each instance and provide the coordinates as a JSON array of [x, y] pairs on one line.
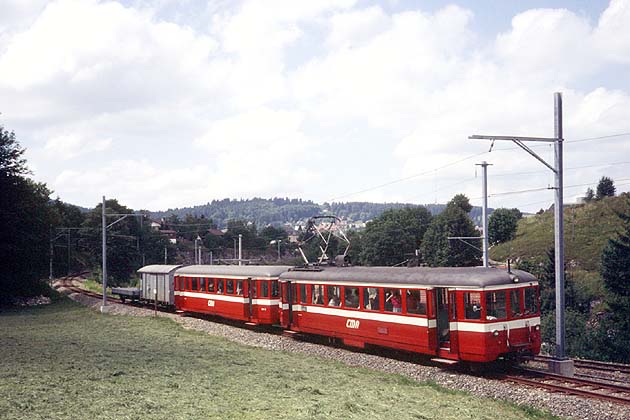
[[240, 249], [559, 229], [484, 210], [104, 241]]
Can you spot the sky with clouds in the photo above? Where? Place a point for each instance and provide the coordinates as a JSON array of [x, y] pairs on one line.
[[168, 103]]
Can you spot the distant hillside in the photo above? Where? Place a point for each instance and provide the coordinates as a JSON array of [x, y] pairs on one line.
[[277, 211], [587, 228]]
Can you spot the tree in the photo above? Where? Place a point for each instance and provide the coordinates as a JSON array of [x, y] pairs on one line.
[[605, 188], [502, 225], [438, 250], [394, 236], [12, 164], [589, 195], [24, 224], [615, 271]]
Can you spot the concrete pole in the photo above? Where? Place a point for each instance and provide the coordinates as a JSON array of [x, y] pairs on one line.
[[165, 255], [559, 228], [240, 249], [484, 193], [50, 273], [210, 257], [104, 240]]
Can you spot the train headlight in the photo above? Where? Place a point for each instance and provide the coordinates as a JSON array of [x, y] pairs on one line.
[[537, 327], [495, 333]]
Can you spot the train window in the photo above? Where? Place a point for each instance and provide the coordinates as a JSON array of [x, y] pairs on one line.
[[202, 285], [416, 302], [181, 283], [351, 297], [239, 287], [294, 297], [531, 303], [371, 298], [264, 288], [334, 295], [317, 294], [194, 284], [515, 303], [495, 305], [229, 287], [472, 305], [220, 286], [393, 300], [253, 291], [211, 285], [275, 292], [303, 296]]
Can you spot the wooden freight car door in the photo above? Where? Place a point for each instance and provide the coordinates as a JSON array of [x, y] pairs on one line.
[[442, 313]]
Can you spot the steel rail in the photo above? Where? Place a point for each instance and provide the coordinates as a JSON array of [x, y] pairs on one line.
[[619, 394]]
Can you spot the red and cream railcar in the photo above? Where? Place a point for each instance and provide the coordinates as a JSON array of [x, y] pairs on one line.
[[472, 314], [248, 293]]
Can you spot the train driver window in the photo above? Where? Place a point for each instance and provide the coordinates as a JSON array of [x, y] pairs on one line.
[[194, 284], [351, 297], [416, 301], [334, 295], [211, 285], [229, 287], [515, 303], [264, 288], [317, 294], [531, 303], [181, 283], [472, 305], [220, 286], [495, 305], [393, 300], [371, 299], [303, 295], [239, 287], [275, 291]]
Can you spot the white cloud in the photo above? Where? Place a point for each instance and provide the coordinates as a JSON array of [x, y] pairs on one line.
[[70, 146]]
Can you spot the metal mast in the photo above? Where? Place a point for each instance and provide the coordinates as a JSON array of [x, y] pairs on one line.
[[557, 168]]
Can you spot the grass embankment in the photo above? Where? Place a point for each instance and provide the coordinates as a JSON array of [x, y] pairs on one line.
[[587, 228], [66, 361]]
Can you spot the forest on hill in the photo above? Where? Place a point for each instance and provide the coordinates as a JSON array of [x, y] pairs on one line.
[[278, 211]]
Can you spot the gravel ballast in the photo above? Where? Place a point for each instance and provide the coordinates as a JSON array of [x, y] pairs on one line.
[[558, 404]]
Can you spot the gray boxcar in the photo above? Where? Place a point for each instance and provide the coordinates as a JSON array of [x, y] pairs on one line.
[[160, 278]]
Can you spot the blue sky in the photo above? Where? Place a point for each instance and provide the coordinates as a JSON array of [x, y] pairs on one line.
[[174, 103]]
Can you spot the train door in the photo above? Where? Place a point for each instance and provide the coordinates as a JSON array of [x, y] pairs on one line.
[[250, 298], [286, 304], [442, 315]]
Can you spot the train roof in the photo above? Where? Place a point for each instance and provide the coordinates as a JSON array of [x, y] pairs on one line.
[[158, 269], [234, 270], [438, 276]]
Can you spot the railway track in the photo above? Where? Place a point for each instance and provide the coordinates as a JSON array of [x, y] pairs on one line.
[[592, 364], [588, 388]]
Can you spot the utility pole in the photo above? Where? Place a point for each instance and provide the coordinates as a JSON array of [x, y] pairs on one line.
[[104, 243], [240, 249], [121, 217], [561, 364], [165, 255], [484, 210]]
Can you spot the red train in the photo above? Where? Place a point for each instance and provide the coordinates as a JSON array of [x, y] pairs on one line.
[[470, 314]]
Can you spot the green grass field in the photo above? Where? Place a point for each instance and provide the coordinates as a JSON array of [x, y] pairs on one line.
[[65, 361]]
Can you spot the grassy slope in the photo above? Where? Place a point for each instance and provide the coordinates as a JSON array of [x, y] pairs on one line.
[[66, 361], [587, 230]]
